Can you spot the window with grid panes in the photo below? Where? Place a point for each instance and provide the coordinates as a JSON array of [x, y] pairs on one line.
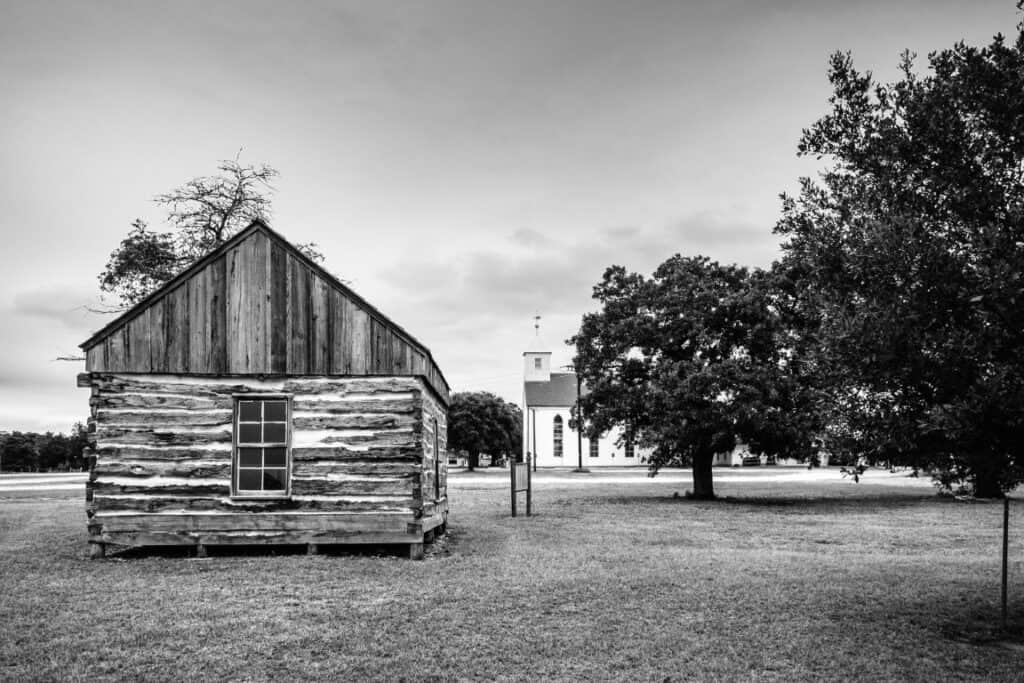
[[557, 428], [261, 447]]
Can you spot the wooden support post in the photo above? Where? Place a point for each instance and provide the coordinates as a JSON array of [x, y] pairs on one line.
[[416, 551], [512, 476], [97, 551], [529, 486], [312, 549], [200, 550], [1006, 543]]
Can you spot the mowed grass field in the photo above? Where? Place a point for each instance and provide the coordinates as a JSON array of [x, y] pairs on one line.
[[794, 575]]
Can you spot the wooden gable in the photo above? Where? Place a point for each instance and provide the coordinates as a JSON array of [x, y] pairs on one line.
[[258, 306]]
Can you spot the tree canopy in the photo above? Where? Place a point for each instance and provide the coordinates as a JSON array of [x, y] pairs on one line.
[[691, 360], [907, 257], [480, 422], [202, 214]]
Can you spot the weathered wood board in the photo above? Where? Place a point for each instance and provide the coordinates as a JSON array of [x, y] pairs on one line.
[[257, 306]]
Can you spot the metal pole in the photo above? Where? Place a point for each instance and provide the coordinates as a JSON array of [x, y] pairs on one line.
[[534, 432], [579, 422], [1006, 543]]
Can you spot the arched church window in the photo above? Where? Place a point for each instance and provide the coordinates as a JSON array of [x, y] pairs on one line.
[[594, 448], [558, 436], [629, 444], [537, 363]]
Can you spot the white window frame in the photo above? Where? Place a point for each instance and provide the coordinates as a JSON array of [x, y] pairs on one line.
[[242, 494]]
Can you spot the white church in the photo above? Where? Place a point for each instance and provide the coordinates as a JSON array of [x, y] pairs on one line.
[[548, 399]]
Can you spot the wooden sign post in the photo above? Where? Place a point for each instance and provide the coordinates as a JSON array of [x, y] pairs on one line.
[[520, 475]]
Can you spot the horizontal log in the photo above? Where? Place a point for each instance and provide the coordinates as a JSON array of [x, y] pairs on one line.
[[118, 504], [227, 386], [352, 385], [397, 407], [164, 418], [306, 420], [403, 438], [199, 386], [168, 400], [83, 380], [375, 453], [164, 437], [114, 452], [162, 486], [311, 468], [377, 486], [157, 468]]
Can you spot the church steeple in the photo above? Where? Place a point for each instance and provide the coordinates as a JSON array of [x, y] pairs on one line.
[[537, 357]]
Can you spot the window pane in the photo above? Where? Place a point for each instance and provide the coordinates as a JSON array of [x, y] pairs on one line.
[[249, 411], [249, 480], [275, 457], [249, 433], [273, 480], [249, 457], [273, 432], [274, 411]]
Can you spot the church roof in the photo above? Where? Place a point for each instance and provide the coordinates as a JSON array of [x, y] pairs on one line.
[[559, 392]]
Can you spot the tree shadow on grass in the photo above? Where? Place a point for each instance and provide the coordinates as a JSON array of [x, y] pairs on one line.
[[818, 504], [986, 629]]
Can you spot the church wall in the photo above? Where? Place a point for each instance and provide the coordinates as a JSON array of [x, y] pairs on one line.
[[609, 454]]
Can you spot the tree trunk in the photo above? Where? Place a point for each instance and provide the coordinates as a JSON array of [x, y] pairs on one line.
[[472, 461], [703, 486], [986, 483]]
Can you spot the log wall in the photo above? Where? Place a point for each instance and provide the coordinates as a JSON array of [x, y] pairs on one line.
[[258, 307], [359, 473], [435, 460]]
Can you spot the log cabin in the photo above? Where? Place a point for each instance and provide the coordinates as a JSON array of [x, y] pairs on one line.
[[256, 399]]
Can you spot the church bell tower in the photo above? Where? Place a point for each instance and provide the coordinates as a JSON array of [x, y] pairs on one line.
[[537, 357]]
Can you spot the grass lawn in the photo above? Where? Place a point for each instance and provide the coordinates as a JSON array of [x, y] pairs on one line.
[[795, 575]]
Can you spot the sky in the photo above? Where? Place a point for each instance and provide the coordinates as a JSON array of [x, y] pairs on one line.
[[466, 165]]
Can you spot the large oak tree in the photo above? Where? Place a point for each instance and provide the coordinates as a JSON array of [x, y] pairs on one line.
[[909, 251], [691, 360]]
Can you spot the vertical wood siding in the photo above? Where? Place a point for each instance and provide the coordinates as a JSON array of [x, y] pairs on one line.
[[258, 309]]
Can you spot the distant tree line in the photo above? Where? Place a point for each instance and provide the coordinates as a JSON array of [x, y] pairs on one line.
[[47, 452]]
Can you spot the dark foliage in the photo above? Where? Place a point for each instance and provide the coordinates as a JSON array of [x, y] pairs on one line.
[[480, 422], [203, 213], [908, 256], [33, 452], [693, 359]]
